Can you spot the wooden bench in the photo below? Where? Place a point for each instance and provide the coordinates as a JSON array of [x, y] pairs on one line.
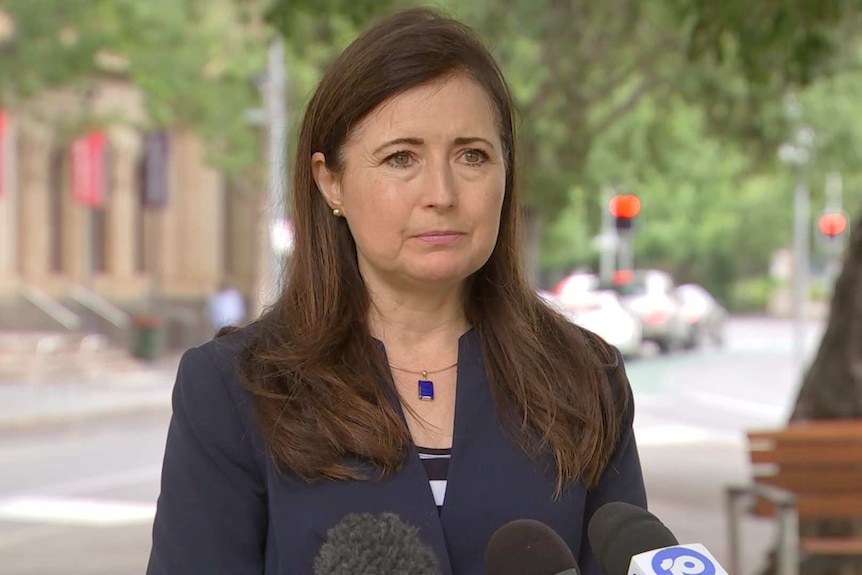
[[807, 470]]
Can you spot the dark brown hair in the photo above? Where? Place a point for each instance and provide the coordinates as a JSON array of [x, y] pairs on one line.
[[323, 394]]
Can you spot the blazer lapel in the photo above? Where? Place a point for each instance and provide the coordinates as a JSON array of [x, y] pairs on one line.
[[408, 495], [491, 481], [477, 445]]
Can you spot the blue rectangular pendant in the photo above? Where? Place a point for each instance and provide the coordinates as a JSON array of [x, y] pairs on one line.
[[426, 390]]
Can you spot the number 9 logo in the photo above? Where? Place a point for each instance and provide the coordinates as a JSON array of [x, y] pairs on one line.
[[681, 561]]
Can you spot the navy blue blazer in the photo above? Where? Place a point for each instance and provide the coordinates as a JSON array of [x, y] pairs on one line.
[[224, 508]]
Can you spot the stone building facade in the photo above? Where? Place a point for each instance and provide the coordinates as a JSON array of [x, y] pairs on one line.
[[128, 253]]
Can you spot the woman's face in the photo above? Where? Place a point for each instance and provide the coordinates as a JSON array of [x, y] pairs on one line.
[[422, 186]]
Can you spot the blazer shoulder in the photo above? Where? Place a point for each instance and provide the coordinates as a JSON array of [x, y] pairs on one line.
[[208, 375], [213, 473], [225, 348], [616, 370]]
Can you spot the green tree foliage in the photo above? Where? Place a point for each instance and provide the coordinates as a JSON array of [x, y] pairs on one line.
[[195, 60], [745, 57], [692, 188]]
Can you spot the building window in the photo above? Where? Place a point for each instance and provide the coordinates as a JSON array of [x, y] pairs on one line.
[[56, 190], [229, 233], [140, 233], [98, 239]]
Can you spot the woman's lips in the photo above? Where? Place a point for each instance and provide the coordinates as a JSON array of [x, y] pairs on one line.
[[440, 238]]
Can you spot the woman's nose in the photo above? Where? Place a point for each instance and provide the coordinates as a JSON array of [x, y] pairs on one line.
[[441, 189]]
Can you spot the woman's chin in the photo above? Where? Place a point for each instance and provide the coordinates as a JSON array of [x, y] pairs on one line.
[[440, 276]]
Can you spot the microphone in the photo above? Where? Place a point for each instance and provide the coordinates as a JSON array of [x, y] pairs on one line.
[[528, 547], [629, 540], [366, 544]]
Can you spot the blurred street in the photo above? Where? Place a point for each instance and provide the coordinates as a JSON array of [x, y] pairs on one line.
[[80, 498], [77, 491]]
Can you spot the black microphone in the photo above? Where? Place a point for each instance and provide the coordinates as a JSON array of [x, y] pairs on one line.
[[618, 531], [629, 540], [528, 547], [366, 544]]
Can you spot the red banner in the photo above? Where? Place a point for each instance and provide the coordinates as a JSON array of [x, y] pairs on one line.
[[88, 169], [4, 149]]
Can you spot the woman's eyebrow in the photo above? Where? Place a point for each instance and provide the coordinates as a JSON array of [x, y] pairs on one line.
[[472, 140], [396, 141], [460, 141]]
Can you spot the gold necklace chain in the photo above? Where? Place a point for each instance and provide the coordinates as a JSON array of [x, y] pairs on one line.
[[423, 372]]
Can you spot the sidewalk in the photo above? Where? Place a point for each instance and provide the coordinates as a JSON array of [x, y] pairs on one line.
[[686, 486], [33, 402]]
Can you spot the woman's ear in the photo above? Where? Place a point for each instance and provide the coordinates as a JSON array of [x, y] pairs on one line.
[[327, 182]]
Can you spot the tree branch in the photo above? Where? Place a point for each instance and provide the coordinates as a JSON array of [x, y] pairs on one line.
[[616, 80], [641, 90]]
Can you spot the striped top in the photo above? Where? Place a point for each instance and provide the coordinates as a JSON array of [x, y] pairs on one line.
[[436, 462]]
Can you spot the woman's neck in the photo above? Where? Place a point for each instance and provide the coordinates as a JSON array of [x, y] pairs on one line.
[[421, 323]]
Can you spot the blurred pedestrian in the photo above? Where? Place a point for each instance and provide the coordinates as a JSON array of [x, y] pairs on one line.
[[408, 366], [225, 307]]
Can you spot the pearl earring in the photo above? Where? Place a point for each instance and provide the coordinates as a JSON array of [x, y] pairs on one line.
[[337, 212]]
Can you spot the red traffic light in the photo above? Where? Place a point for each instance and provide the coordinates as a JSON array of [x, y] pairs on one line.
[[832, 224], [623, 277], [625, 206]]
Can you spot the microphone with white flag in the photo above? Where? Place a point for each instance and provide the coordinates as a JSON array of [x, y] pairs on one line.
[[629, 540]]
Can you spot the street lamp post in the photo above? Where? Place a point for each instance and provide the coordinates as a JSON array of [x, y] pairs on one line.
[[797, 153], [273, 115], [277, 123]]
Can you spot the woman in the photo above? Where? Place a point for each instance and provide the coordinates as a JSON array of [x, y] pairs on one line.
[[408, 366]]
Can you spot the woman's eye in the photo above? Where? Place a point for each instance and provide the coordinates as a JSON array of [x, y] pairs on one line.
[[399, 159], [475, 156]]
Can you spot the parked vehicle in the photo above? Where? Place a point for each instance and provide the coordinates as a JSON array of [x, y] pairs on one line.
[[572, 287], [650, 296], [703, 312], [554, 302], [602, 313]]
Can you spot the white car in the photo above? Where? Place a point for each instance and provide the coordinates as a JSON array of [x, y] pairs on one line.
[[554, 302], [574, 286], [602, 313], [700, 310], [649, 296]]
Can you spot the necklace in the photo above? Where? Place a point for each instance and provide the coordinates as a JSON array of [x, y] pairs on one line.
[[426, 386]]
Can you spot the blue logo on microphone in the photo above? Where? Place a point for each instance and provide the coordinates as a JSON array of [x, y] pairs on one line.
[[681, 561]]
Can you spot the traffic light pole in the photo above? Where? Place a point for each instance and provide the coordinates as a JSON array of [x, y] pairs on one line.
[[624, 208], [834, 203], [625, 254], [833, 264]]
